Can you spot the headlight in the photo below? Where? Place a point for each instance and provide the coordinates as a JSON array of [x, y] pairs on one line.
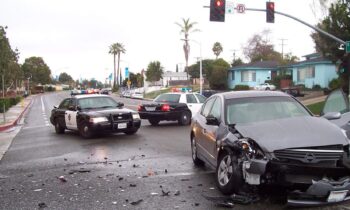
[[98, 119], [135, 116]]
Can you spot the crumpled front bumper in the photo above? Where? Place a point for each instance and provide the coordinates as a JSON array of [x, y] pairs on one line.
[[322, 192]]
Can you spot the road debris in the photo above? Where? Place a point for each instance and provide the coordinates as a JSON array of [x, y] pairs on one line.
[[135, 166], [134, 203], [42, 205], [177, 193], [228, 201], [196, 204], [62, 179], [166, 171], [165, 193], [184, 180], [36, 190], [154, 193], [132, 185], [82, 170], [29, 175], [65, 159], [120, 178], [114, 202]]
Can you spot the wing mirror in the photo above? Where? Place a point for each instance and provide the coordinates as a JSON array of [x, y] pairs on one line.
[[55, 106], [212, 120], [120, 104], [332, 115]]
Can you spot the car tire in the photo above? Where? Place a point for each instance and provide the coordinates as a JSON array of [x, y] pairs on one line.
[[267, 88], [185, 118], [229, 177], [153, 122], [58, 128], [131, 132], [85, 131], [196, 160]]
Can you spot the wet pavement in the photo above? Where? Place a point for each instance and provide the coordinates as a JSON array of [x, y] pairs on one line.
[[150, 170]]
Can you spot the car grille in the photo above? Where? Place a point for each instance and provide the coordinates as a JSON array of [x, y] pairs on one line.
[[311, 155], [122, 117]]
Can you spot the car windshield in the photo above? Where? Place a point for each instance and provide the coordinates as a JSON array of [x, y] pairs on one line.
[[174, 98], [248, 110], [96, 102]]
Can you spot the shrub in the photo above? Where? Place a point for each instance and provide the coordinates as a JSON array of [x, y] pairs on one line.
[[241, 87], [50, 89], [335, 84], [8, 103], [316, 87]]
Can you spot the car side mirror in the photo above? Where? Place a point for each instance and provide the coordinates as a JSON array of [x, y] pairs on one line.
[[212, 120], [332, 115], [120, 104], [55, 106]]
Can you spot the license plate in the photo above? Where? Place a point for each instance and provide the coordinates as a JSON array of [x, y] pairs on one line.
[[122, 125], [337, 196], [150, 108]]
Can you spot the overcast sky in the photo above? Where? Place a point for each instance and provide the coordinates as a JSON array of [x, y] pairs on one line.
[[73, 36]]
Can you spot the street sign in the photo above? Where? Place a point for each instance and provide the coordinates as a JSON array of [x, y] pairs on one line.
[[347, 48], [240, 8], [230, 7], [126, 72]]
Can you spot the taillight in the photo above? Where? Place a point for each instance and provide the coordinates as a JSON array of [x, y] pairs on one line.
[[139, 108], [165, 107]]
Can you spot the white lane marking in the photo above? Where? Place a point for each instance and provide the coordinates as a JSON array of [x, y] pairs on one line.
[[38, 126], [42, 104]]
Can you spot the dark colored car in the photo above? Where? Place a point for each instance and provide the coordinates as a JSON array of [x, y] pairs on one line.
[[172, 107], [255, 138], [90, 114]]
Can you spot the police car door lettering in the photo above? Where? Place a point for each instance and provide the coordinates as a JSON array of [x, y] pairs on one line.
[[71, 119]]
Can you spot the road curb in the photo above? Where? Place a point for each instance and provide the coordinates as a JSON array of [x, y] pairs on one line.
[[14, 123]]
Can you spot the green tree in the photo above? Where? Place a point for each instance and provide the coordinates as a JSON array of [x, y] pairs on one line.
[[193, 70], [217, 74], [65, 78], [9, 66], [237, 62], [116, 49], [187, 27], [154, 71], [336, 23], [217, 49], [37, 70]]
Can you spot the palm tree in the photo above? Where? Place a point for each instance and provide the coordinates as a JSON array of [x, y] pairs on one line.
[[116, 49], [217, 49], [187, 27]]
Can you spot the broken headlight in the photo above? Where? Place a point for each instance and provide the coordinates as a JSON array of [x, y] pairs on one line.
[[251, 149]]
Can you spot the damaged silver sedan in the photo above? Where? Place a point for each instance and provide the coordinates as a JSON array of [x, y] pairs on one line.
[[257, 139]]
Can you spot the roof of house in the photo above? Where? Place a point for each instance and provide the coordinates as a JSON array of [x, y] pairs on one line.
[[258, 64], [310, 61]]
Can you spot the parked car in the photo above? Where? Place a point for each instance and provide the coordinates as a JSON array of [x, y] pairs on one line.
[[137, 95], [255, 138], [265, 86]]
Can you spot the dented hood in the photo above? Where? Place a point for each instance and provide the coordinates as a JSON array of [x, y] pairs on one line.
[[296, 132]]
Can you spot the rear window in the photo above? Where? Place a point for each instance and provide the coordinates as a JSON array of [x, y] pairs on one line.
[[174, 98]]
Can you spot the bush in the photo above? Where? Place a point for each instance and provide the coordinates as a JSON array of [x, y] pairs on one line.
[[241, 87], [50, 89], [335, 84], [316, 87], [8, 103]]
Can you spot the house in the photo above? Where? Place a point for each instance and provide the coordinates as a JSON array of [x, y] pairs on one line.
[[252, 74], [314, 70]]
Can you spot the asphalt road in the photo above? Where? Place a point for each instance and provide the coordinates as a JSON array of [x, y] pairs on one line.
[[108, 172]]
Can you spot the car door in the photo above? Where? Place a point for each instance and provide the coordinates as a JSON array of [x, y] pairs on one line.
[[201, 128], [337, 101], [61, 111], [210, 131], [193, 103], [71, 115]]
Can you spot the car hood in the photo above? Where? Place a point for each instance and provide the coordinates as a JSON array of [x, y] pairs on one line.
[[296, 132], [106, 112]]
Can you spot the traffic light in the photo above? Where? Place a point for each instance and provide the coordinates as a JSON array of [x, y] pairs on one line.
[[270, 12], [217, 10]]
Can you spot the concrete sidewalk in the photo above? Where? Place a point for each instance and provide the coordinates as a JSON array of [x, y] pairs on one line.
[[309, 101], [14, 114]]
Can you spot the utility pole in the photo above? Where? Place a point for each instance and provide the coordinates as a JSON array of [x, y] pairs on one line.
[[283, 44]]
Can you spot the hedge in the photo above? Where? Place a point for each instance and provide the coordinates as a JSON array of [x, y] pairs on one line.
[[8, 103], [241, 87]]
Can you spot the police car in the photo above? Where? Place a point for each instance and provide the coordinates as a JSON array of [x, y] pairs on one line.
[[175, 106], [94, 113]]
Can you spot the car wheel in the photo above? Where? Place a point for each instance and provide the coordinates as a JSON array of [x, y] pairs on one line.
[[153, 122], [131, 132], [85, 131], [267, 88], [196, 160], [58, 128], [229, 176], [185, 118]]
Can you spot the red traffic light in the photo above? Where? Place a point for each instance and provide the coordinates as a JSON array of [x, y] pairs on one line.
[[218, 3], [271, 5]]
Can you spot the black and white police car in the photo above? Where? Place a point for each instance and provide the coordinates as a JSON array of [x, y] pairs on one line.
[[174, 106], [93, 113]]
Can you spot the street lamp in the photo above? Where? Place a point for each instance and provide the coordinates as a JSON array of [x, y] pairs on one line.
[[200, 63]]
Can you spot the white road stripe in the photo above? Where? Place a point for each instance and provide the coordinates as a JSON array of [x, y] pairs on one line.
[[42, 104], [39, 126]]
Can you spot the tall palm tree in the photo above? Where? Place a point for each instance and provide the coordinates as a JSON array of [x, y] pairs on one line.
[[187, 27], [217, 49], [116, 49]]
